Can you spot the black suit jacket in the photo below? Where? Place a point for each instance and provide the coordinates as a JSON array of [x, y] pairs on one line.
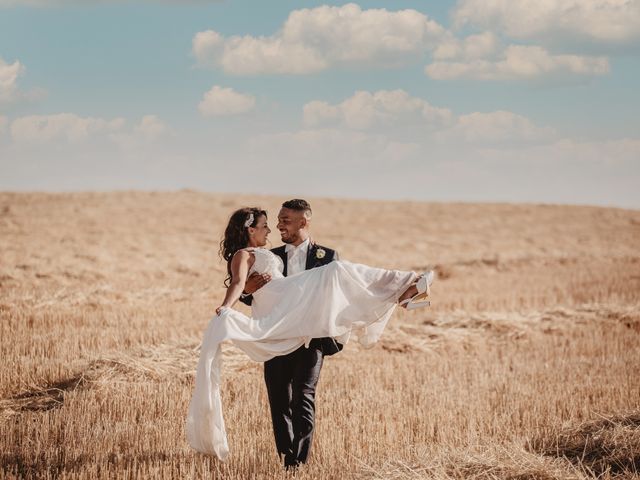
[[317, 256]]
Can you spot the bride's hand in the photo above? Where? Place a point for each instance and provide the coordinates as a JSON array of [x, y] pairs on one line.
[[219, 309]]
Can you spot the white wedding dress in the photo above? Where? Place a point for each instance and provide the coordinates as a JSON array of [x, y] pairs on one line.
[[340, 300]]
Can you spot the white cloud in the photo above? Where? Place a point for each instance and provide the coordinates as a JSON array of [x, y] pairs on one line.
[[9, 74], [207, 46], [151, 127], [500, 127], [63, 126], [473, 47], [74, 129], [9, 89], [4, 121], [312, 40], [318, 112], [148, 131], [392, 112], [384, 108], [225, 101], [613, 22], [520, 62]]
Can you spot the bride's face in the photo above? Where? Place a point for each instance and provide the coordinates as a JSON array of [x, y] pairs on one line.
[[260, 232]]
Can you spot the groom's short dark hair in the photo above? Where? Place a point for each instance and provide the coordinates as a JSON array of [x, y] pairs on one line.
[[299, 205]]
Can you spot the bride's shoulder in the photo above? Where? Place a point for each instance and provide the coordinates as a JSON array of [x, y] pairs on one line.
[[252, 252], [244, 254]]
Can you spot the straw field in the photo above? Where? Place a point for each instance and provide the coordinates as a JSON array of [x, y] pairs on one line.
[[526, 367]]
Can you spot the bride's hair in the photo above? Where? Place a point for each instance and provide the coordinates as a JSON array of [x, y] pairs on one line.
[[236, 235]]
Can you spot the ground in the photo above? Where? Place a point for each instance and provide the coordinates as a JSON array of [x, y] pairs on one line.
[[526, 366]]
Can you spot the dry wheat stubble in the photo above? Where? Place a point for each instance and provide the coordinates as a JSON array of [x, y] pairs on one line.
[[533, 338]]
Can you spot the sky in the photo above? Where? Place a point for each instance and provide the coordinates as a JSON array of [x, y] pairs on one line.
[[468, 100]]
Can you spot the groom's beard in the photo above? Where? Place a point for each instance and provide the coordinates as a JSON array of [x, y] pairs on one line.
[[289, 238]]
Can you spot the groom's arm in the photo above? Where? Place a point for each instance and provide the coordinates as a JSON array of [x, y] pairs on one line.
[[255, 282]]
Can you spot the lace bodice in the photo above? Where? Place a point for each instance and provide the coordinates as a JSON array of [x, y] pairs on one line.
[[267, 262]]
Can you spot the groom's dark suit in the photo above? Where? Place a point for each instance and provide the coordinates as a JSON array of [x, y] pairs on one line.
[[292, 379]]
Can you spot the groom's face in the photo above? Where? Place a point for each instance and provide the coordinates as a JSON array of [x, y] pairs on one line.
[[292, 225]]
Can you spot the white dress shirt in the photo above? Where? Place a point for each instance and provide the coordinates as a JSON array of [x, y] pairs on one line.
[[296, 257]]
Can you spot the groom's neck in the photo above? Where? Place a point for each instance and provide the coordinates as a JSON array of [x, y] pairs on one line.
[[301, 238]]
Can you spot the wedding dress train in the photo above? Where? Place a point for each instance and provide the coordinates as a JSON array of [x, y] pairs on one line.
[[340, 300]]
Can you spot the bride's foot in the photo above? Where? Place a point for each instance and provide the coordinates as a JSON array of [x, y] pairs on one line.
[[416, 295], [408, 293]]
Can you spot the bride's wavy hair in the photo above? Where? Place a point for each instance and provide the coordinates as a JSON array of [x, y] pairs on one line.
[[236, 235]]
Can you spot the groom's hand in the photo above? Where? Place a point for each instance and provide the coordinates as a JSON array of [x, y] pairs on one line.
[[255, 282]]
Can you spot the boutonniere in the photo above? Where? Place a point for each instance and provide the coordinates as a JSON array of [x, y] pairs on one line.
[[320, 253]]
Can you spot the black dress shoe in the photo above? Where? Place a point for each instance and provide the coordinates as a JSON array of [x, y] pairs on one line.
[[291, 464]]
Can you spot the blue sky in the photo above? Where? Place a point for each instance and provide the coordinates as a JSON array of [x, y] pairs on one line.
[[510, 100]]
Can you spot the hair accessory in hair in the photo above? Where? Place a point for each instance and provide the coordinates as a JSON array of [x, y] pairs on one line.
[[249, 221]]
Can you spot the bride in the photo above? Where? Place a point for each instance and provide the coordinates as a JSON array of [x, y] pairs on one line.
[[347, 299]]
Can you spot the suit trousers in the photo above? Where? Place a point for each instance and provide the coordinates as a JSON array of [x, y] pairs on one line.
[[291, 386]]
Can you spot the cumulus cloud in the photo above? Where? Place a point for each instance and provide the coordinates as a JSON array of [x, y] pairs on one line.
[[63, 126], [4, 121], [312, 40], [151, 127], [9, 74], [518, 62], [207, 47], [473, 47], [9, 89], [225, 101], [384, 108], [391, 112], [499, 127], [609, 22], [75, 130], [148, 131]]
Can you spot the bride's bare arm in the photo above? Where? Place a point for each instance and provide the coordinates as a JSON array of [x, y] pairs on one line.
[[240, 265]]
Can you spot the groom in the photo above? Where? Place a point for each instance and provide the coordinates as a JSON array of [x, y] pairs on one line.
[[292, 379]]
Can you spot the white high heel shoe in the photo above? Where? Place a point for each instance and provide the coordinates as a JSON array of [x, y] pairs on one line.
[[422, 284]]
